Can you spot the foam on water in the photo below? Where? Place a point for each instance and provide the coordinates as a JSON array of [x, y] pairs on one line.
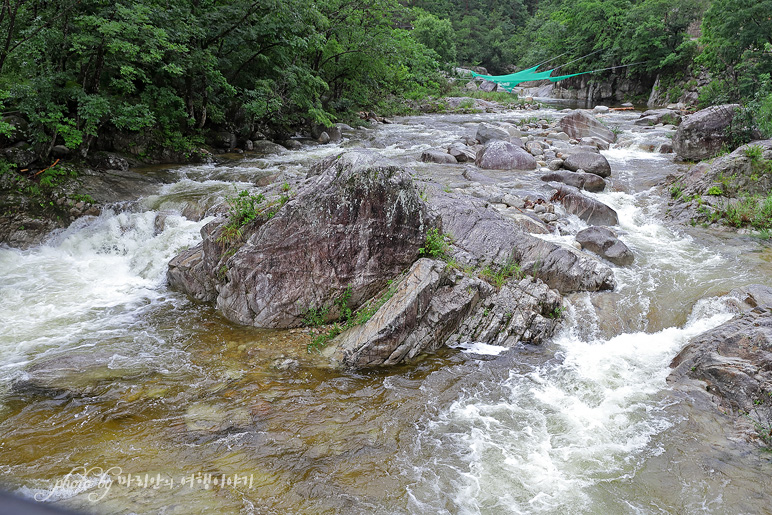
[[558, 432], [88, 283], [480, 348]]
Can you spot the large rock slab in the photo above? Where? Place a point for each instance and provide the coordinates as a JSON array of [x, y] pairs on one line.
[[580, 125], [525, 311], [588, 209], [428, 306], [603, 241], [358, 223], [488, 132], [580, 180], [734, 360], [503, 155], [702, 134], [435, 304], [589, 162], [483, 236]]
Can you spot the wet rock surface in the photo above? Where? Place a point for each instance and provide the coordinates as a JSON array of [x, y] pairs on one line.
[[580, 180], [580, 125], [702, 134], [357, 224], [588, 209], [503, 155], [603, 241], [733, 362]]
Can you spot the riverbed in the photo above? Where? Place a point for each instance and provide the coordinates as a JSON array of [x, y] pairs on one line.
[[190, 413]]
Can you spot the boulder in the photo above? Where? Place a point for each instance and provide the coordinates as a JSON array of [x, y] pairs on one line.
[[108, 161], [598, 143], [471, 86], [437, 156], [580, 125], [702, 134], [483, 236], [656, 116], [323, 138], [535, 148], [462, 153], [19, 131], [588, 209], [356, 224], [580, 180], [263, 146], [589, 162], [524, 311], [752, 296], [222, 139], [21, 157], [600, 109], [603, 241], [426, 308], [733, 362], [555, 164], [333, 133], [487, 132], [488, 86], [502, 155], [735, 174]]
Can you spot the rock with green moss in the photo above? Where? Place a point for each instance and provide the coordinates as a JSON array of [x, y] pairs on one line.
[[357, 222]]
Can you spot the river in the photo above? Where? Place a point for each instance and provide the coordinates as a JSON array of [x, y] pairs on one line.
[[183, 400]]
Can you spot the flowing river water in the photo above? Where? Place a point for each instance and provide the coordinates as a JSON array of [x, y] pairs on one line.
[[183, 398]]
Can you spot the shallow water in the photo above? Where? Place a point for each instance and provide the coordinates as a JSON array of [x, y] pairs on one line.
[[584, 424]]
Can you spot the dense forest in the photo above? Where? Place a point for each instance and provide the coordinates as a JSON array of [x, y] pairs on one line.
[[81, 70]]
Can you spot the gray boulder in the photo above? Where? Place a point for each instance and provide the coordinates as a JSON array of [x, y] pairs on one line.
[[108, 161], [487, 132], [733, 362], [427, 307], [588, 209], [482, 236], [435, 304], [357, 223], [323, 138], [488, 86], [437, 156], [603, 241], [589, 162], [502, 155], [21, 157], [580, 125], [263, 146], [462, 153], [524, 311], [19, 131], [580, 180], [702, 134], [333, 133], [535, 148]]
